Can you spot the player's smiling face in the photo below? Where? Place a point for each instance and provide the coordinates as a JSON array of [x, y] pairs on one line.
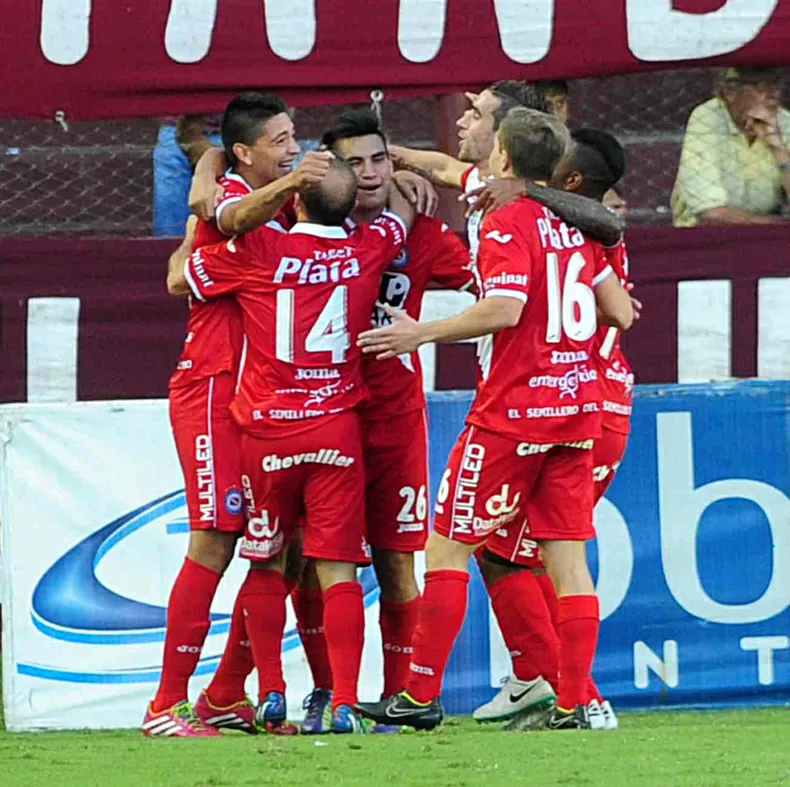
[[274, 152], [476, 128], [369, 159]]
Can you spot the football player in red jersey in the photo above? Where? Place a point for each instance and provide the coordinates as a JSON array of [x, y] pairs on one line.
[[305, 295], [470, 171], [258, 138], [510, 563], [527, 449], [396, 494]]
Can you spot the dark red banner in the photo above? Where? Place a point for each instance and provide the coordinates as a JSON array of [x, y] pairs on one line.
[[109, 59], [129, 331]]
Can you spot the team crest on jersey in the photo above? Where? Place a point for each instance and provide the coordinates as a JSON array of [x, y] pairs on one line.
[[402, 260], [233, 500]]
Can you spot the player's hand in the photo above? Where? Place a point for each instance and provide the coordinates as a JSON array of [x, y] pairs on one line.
[[404, 335], [494, 194], [636, 305], [205, 192], [189, 232], [418, 191], [313, 168]]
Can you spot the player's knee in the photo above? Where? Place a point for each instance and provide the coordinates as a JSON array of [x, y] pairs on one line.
[[395, 574], [212, 549], [492, 572], [444, 553], [566, 562], [333, 572]]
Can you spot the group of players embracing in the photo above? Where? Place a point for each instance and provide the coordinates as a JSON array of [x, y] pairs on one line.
[[300, 421]]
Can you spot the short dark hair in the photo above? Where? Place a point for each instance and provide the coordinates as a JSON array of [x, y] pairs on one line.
[[362, 122], [244, 119], [516, 93], [535, 142], [330, 202], [553, 87], [600, 158]]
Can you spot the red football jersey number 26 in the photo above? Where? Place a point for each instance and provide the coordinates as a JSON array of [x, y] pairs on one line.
[[328, 334]]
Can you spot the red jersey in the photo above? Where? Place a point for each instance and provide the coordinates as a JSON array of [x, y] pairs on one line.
[[305, 296], [614, 372], [433, 253], [215, 335], [539, 383]]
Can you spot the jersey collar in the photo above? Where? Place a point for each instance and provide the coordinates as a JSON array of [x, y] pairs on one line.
[[318, 230]]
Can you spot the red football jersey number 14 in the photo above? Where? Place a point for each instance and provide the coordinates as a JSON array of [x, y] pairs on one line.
[[328, 334]]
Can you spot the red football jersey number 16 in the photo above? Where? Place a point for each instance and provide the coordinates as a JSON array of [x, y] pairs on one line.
[[328, 334], [572, 308]]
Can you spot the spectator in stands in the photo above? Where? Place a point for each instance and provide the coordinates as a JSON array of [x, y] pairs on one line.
[[558, 97], [735, 163]]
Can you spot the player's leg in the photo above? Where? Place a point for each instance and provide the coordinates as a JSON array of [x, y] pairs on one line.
[[482, 489], [308, 604], [334, 537], [560, 514], [396, 510], [207, 441], [273, 501], [525, 623], [607, 455]]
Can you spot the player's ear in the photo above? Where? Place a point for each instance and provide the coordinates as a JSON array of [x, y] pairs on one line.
[[574, 180], [242, 153]]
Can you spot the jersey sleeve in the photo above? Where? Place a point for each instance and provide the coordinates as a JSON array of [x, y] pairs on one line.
[[392, 231], [505, 259], [450, 260], [618, 259], [234, 190], [465, 178], [218, 269], [603, 268]]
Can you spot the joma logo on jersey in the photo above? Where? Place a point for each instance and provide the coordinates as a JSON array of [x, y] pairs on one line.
[[499, 237], [311, 272]]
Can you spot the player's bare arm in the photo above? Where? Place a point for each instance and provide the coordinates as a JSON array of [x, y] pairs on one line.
[[614, 303], [191, 138], [405, 335], [176, 282], [591, 217], [439, 168], [205, 191], [401, 206], [261, 205]]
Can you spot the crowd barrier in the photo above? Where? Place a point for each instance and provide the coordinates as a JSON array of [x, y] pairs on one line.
[[691, 560]]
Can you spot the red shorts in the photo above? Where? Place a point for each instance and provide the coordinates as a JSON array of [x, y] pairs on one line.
[[515, 544], [607, 455], [208, 444], [493, 483], [313, 480], [396, 488]]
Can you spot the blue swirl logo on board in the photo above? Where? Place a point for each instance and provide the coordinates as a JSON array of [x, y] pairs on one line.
[[71, 604]]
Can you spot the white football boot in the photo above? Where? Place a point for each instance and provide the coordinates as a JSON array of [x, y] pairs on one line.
[[609, 716], [515, 696]]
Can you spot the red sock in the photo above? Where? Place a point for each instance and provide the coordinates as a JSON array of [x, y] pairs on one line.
[[550, 594], [344, 628], [526, 626], [187, 626], [397, 623], [227, 685], [308, 606], [578, 630], [263, 601], [442, 612]]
